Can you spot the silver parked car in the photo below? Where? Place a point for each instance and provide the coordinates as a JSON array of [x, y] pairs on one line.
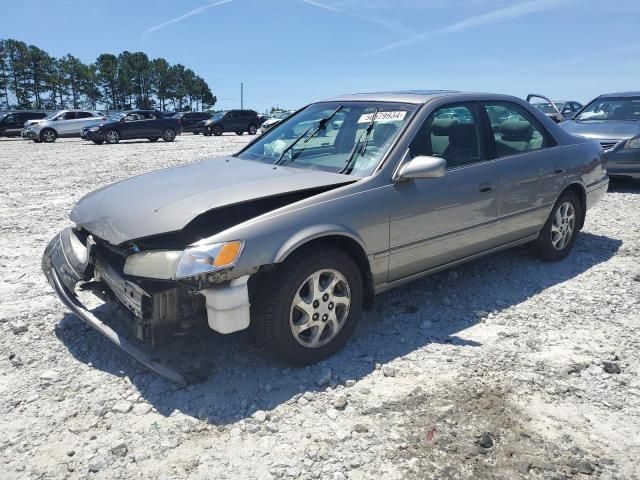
[[296, 233], [65, 123], [613, 120]]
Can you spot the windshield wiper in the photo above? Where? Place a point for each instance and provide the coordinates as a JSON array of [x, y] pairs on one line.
[[348, 168], [320, 126]]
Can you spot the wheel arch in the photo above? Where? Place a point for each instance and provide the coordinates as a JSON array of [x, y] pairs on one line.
[[581, 192], [335, 236]]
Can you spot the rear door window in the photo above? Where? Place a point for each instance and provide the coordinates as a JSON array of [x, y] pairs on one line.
[[85, 114], [515, 130]]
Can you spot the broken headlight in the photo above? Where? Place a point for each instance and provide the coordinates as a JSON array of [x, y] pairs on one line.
[[153, 264], [201, 259], [193, 261]]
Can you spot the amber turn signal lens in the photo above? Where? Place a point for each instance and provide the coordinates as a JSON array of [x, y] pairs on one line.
[[228, 254]]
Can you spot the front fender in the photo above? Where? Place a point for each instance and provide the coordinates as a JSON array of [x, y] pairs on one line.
[[314, 232]]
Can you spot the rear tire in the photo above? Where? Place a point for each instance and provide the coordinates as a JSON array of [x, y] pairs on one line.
[[300, 324], [168, 135], [48, 135], [239, 132], [252, 129], [559, 233]]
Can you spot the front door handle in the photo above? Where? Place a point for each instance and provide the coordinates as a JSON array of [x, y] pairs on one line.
[[485, 187]]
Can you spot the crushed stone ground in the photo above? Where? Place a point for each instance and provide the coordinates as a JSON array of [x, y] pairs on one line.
[[502, 368]]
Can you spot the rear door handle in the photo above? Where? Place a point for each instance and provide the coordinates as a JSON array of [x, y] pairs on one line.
[[485, 187]]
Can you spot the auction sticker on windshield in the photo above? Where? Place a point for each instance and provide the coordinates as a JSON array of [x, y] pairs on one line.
[[382, 116]]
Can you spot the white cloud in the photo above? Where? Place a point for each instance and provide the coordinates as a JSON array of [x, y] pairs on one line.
[[494, 16], [341, 11], [190, 13]]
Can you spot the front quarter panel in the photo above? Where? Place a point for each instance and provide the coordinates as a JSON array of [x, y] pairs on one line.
[[358, 211]]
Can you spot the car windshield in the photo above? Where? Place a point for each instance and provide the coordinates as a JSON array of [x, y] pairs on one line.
[[218, 115], [116, 117], [178, 115], [281, 115], [353, 141], [548, 107], [53, 115], [611, 108]]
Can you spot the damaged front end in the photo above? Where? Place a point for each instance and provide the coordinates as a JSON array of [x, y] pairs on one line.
[[156, 308]]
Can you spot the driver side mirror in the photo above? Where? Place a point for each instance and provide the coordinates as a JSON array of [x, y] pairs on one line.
[[423, 166], [123, 119]]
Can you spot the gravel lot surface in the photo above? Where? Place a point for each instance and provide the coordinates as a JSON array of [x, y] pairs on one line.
[[502, 368]]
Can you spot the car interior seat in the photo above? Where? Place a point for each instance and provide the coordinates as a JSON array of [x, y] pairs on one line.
[[382, 133], [514, 137], [463, 144], [441, 130]]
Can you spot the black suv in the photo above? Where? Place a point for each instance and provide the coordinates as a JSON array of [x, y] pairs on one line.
[[11, 123], [190, 120], [238, 121]]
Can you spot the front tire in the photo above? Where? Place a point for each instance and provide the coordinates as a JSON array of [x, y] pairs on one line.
[[98, 142], [239, 132], [48, 135], [559, 233], [252, 129], [305, 310], [112, 137], [169, 135], [217, 130]]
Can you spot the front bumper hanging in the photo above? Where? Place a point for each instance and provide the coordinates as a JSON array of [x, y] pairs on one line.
[[63, 263]]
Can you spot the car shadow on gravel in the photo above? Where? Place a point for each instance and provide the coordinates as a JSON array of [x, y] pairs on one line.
[[238, 379], [624, 185]]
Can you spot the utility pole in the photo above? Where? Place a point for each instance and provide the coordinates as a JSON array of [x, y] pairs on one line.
[[241, 96]]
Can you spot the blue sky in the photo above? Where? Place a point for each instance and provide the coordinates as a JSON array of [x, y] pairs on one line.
[[290, 52]]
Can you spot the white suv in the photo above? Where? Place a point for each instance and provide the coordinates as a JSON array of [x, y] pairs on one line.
[[65, 123]]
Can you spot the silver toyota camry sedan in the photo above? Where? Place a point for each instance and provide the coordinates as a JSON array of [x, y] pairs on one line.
[[294, 235]]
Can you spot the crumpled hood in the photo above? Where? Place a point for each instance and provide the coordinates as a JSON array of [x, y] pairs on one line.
[[603, 129], [167, 200]]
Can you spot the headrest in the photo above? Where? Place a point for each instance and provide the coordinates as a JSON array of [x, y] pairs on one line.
[[516, 130], [442, 126]]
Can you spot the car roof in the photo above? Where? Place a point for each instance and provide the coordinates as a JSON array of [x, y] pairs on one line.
[[417, 97], [621, 94]]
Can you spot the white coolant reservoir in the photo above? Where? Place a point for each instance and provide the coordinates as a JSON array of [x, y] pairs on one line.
[[228, 306]]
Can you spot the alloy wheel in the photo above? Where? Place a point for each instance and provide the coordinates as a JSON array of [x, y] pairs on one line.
[[563, 225], [48, 136], [169, 135], [112, 136], [320, 308]]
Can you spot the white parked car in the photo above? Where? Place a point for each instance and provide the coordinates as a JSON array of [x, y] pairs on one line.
[[274, 120], [65, 123]]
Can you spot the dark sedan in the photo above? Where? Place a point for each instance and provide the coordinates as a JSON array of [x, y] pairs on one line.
[[613, 120], [191, 120], [149, 124]]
